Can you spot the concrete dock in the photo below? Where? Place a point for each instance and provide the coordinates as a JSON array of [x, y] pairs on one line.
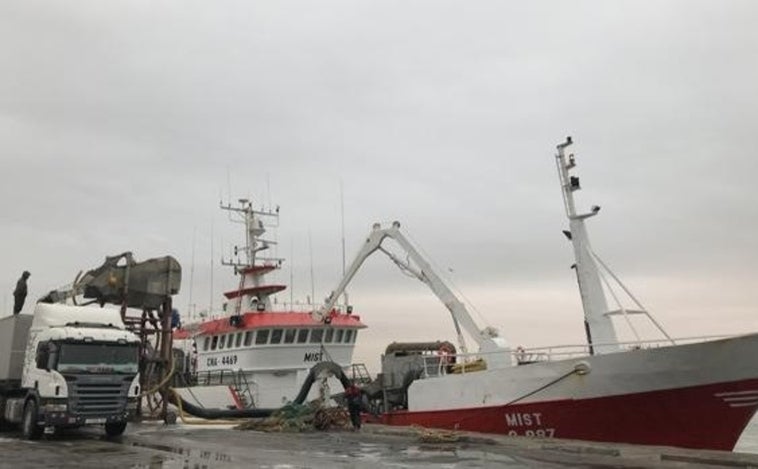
[[154, 445]]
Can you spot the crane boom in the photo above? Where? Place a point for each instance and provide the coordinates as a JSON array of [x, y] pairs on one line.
[[487, 338]]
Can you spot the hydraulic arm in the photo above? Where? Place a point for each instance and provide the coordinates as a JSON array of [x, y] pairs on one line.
[[487, 338]]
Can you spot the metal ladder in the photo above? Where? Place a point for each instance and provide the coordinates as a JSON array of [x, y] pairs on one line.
[[243, 390], [359, 373]]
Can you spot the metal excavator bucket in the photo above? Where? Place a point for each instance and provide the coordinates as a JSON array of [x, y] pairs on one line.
[[122, 280], [144, 285]]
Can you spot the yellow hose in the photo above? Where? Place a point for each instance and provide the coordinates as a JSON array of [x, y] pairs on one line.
[[165, 380], [179, 401]]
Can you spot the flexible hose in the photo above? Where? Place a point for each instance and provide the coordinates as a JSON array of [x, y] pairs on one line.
[[180, 404], [212, 414], [158, 386]]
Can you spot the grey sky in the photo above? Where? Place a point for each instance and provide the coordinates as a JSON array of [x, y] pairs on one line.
[[123, 123]]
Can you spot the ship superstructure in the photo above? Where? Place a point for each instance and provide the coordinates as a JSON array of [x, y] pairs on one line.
[[256, 354]]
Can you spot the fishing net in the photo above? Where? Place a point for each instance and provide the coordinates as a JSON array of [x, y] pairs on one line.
[[294, 418], [429, 435]]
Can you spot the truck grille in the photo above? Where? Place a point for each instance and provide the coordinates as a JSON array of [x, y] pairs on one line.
[[96, 396]]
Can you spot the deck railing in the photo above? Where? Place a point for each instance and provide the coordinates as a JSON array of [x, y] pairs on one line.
[[435, 365]]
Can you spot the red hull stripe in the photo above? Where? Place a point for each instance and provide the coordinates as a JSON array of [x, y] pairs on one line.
[[278, 319], [702, 417]]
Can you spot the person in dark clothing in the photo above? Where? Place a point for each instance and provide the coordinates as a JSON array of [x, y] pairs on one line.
[[19, 294], [354, 405], [176, 319]]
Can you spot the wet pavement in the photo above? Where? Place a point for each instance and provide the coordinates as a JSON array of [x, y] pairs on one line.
[[153, 445]]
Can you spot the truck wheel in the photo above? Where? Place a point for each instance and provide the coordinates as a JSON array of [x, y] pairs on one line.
[[29, 427], [115, 428]]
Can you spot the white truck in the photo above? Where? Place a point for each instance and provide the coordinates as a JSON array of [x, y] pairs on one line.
[[66, 367]]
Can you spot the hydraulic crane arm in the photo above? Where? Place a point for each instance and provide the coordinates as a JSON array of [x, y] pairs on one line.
[[423, 272]]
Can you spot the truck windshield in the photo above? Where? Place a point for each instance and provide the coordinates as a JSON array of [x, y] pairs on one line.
[[97, 358]]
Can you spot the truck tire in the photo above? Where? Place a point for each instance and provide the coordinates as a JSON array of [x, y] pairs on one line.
[[114, 429], [29, 427]]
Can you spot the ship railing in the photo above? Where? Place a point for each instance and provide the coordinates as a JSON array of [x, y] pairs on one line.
[[358, 373], [217, 377], [561, 352], [463, 363], [305, 307], [296, 307]]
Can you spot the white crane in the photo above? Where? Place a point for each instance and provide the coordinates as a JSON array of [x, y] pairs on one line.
[[487, 339]]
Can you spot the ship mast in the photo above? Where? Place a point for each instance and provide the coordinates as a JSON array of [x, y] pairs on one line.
[[601, 335], [253, 266]]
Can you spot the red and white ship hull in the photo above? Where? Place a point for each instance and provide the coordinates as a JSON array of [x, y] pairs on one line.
[[699, 395]]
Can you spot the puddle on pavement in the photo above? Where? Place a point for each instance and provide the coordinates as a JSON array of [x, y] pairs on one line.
[[436, 455], [457, 456], [189, 458], [88, 449]]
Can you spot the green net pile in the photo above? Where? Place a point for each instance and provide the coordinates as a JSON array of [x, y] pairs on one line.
[[296, 418]]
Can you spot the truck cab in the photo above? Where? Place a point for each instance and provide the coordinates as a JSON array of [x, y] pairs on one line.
[[79, 366]]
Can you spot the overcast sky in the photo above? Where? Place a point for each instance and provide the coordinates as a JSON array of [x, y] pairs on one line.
[[123, 123]]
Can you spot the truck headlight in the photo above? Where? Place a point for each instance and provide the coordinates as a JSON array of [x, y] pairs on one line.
[[131, 405]]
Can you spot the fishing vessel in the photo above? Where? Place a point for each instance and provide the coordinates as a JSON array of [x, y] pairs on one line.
[[257, 352], [694, 393]]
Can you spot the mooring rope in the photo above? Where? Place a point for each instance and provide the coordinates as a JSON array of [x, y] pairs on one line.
[[544, 386]]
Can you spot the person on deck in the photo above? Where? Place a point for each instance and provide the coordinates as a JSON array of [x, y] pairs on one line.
[[176, 319], [19, 294], [354, 405]]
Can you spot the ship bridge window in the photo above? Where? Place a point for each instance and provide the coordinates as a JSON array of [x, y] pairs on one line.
[[206, 343], [238, 340], [262, 337], [214, 342], [338, 338], [221, 342], [248, 338], [276, 336], [316, 336], [328, 336], [302, 336], [229, 341], [349, 336], [289, 335]]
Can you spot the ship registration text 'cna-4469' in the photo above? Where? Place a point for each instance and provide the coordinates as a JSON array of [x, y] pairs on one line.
[[527, 424], [225, 360]]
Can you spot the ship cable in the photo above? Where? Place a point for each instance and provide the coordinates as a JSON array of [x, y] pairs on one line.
[[581, 368]]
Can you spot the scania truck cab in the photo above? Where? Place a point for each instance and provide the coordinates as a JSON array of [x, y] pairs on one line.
[[66, 367]]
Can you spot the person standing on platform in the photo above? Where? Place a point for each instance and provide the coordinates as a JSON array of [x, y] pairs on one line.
[[19, 294], [354, 405]]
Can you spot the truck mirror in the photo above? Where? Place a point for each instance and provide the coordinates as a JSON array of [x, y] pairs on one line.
[[42, 356], [52, 356]]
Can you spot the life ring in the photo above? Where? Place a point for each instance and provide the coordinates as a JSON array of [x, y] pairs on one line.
[[446, 354]]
